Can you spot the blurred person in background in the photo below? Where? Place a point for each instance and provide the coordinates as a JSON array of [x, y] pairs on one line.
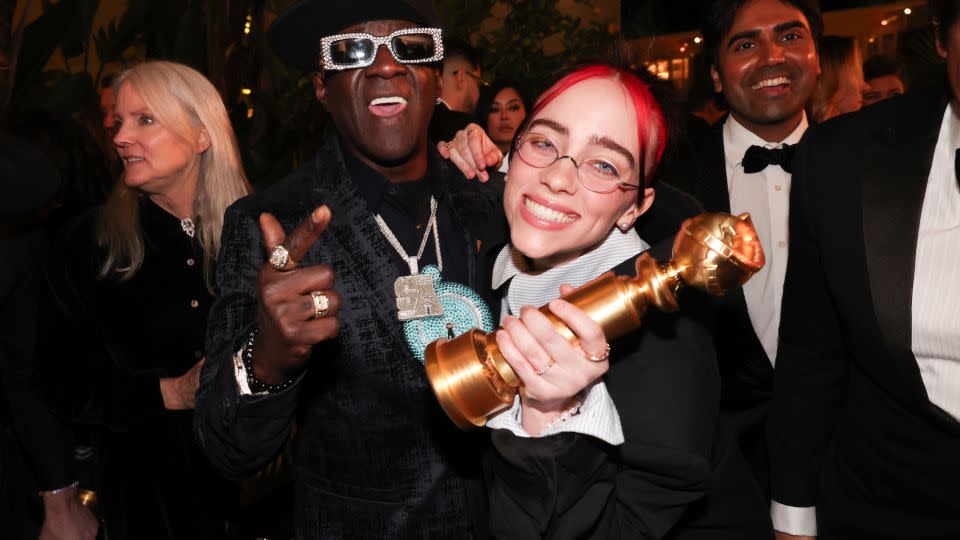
[[501, 110], [840, 87], [459, 90], [884, 76]]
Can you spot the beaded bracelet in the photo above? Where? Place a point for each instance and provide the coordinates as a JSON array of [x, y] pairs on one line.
[[565, 415], [256, 385]]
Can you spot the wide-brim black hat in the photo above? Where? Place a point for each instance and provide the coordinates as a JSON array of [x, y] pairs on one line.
[[295, 34]]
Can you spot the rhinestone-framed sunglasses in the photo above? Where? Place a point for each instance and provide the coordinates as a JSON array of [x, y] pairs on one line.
[[358, 49]]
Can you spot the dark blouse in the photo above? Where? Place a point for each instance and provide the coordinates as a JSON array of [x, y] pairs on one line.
[[109, 343]]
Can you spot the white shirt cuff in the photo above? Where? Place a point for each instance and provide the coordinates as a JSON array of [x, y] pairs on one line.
[[598, 417], [794, 520], [240, 374]]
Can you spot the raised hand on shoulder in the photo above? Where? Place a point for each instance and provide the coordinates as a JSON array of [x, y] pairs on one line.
[[472, 151]]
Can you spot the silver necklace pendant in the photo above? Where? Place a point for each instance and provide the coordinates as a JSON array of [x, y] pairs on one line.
[[416, 297], [187, 225]]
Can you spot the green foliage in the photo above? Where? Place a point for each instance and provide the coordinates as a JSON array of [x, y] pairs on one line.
[[518, 45]]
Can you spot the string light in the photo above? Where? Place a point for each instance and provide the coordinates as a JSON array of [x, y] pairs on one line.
[[246, 91], [883, 22], [697, 40], [907, 11]]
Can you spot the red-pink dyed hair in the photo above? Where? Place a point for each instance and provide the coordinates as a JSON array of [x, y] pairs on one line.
[[651, 126]]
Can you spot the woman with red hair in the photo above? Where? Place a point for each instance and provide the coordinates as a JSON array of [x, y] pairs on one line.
[[606, 439]]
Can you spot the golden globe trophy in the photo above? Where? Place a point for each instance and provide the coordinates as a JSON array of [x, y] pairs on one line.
[[713, 252]]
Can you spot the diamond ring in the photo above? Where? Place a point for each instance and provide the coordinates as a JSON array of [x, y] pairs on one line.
[[280, 259], [546, 368], [321, 304]]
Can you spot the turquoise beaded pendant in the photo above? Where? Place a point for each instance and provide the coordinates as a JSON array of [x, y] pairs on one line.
[[463, 310]]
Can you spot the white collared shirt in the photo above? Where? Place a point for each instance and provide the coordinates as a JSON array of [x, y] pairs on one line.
[[935, 310], [598, 416], [935, 325], [766, 195]]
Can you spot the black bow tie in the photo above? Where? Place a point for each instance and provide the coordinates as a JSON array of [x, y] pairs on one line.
[[757, 158]]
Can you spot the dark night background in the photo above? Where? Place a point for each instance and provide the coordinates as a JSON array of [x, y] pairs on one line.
[[645, 17]]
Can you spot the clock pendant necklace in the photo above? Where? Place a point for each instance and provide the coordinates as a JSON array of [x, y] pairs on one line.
[[415, 294], [431, 309]]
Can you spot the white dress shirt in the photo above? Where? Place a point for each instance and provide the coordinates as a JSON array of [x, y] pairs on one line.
[[598, 416], [935, 310], [936, 282], [766, 195]]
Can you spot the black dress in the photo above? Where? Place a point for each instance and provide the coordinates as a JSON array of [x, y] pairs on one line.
[[105, 345]]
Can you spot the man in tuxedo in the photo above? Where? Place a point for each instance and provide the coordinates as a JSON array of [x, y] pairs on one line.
[[763, 59], [864, 428], [460, 90], [305, 321]]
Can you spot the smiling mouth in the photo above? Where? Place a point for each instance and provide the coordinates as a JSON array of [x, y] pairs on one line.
[[771, 82], [387, 106], [131, 159], [547, 214]]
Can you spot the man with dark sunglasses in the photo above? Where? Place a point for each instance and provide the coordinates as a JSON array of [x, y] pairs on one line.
[[306, 322]]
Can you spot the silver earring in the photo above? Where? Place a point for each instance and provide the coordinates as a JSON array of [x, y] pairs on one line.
[[623, 227], [439, 101]]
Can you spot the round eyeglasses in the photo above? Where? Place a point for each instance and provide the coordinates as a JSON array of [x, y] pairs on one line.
[[597, 174]]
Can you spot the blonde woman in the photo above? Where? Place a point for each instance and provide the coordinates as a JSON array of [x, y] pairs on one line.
[[840, 86], [131, 290]]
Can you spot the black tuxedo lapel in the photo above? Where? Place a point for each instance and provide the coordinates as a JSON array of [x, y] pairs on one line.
[[711, 186], [893, 187]]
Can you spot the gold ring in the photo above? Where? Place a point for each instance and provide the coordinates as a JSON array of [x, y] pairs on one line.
[[546, 368], [321, 304], [280, 259], [602, 357]]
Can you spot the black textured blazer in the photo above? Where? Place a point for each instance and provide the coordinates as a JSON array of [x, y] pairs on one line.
[[377, 457]]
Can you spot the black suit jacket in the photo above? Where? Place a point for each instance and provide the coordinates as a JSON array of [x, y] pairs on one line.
[[377, 456], [852, 429], [745, 368], [677, 476]]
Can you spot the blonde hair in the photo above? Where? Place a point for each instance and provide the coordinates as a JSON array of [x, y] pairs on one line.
[[839, 56], [180, 99]]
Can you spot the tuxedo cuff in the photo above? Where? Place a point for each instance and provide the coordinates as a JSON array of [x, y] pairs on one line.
[[794, 520]]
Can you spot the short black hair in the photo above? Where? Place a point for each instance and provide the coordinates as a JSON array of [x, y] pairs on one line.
[[880, 65], [943, 14], [454, 47], [720, 16]]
